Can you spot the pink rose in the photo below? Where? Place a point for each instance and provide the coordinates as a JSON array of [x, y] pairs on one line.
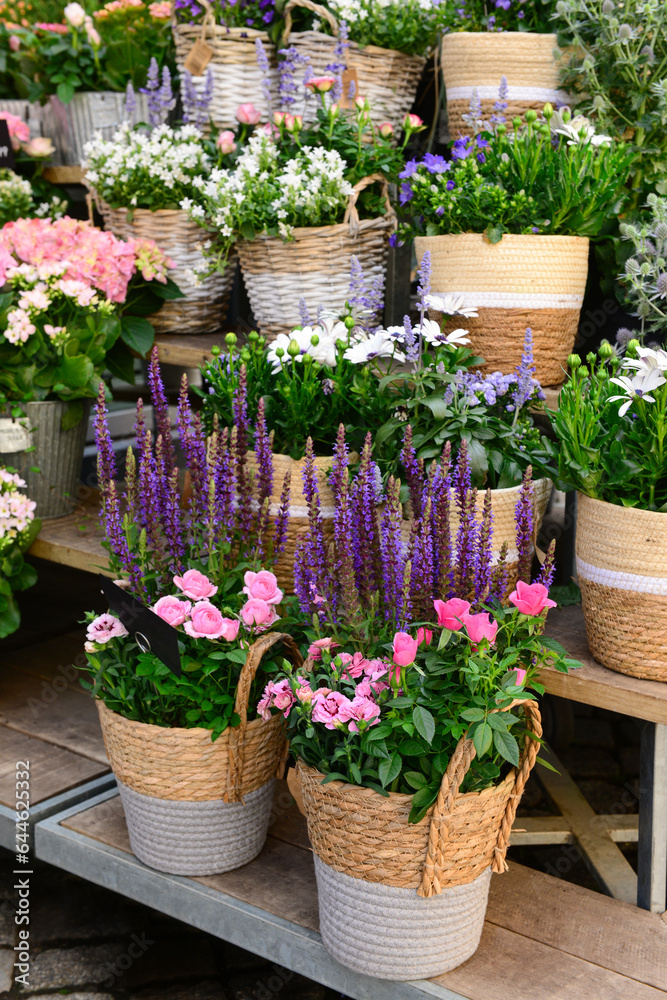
[[360, 709], [424, 635], [386, 130], [172, 610], [405, 649], [195, 585], [480, 627], [279, 117], [411, 123], [225, 142], [326, 708], [206, 622], [531, 598], [264, 586], [105, 627], [355, 665], [520, 676], [247, 114], [293, 123], [449, 613], [258, 613], [14, 43], [321, 84], [304, 692], [315, 649]]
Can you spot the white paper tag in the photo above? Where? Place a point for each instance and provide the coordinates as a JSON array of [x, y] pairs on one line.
[[13, 436]]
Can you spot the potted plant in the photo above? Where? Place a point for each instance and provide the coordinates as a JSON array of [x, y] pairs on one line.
[[18, 530], [409, 732], [507, 222], [74, 307], [610, 427], [514, 42], [299, 203], [194, 766]]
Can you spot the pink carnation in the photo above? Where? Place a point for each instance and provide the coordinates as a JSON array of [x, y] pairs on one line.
[[327, 707], [360, 709], [195, 585], [105, 627], [315, 649], [355, 665], [263, 585], [172, 610]]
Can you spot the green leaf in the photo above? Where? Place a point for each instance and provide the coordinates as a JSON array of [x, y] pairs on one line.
[[65, 92], [424, 723], [494, 234], [482, 735], [355, 772], [415, 779], [472, 714], [390, 769], [506, 746], [137, 333]]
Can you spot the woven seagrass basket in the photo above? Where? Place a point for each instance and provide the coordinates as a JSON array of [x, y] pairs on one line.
[[386, 78], [407, 901], [478, 60], [622, 573], [194, 806], [314, 265], [204, 307], [237, 79], [522, 281]]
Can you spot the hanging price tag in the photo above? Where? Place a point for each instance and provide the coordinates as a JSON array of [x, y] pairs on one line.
[[198, 58], [350, 87], [151, 633], [13, 437]]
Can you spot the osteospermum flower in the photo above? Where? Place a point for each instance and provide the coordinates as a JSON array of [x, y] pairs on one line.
[[638, 387]]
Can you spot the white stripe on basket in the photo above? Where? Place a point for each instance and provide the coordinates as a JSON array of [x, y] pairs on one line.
[[622, 581], [490, 93], [298, 511], [516, 300]]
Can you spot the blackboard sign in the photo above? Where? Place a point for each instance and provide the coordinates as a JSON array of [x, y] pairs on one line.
[[152, 633], [6, 151]]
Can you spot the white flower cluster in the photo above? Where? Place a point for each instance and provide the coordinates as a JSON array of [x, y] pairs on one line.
[[42, 288], [136, 168], [16, 510], [578, 130], [15, 196], [650, 369], [352, 11]]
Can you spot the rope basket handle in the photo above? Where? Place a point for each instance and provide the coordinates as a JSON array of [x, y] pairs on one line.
[[316, 8], [260, 646], [452, 779], [352, 215]]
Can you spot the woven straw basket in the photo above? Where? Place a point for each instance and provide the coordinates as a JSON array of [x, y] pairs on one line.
[[407, 901], [237, 79], [386, 78], [522, 281], [622, 573], [204, 308], [478, 60], [193, 806], [314, 265]]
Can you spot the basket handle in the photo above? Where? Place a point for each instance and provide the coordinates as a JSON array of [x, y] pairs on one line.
[[351, 213], [452, 779], [260, 646], [316, 8]]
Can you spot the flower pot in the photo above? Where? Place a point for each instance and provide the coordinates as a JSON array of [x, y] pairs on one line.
[[70, 126], [386, 78], [204, 308], [623, 578], [58, 454], [477, 60], [314, 265], [193, 806], [407, 901], [523, 281]]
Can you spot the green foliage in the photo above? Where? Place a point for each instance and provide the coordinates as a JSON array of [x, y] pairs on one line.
[[15, 574]]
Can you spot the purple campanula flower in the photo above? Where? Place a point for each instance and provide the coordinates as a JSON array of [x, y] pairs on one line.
[[505, 4], [435, 164], [462, 148], [406, 194], [410, 168]]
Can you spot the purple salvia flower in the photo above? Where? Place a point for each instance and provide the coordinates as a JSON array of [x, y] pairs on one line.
[[106, 458], [442, 530], [282, 518], [224, 477], [339, 63], [165, 95], [546, 574], [391, 545], [412, 473], [500, 575], [263, 63], [152, 91], [194, 450], [303, 312], [160, 410], [525, 374], [483, 565], [498, 116], [241, 426], [422, 564], [466, 536], [411, 342], [524, 520], [263, 455], [362, 509]]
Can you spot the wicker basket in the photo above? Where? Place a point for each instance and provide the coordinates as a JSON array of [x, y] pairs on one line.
[[204, 308], [407, 901], [193, 806], [522, 281], [623, 578], [237, 79], [314, 266], [478, 60], [386, 78]]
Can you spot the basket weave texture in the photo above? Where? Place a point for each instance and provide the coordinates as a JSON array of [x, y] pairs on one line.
[[314, 265], [204, 308], [367, 836], [237, 79], [479, 60], [623, 578], [184, 765], [522, 281]]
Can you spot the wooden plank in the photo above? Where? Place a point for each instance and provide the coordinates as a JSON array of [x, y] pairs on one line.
[[190, 351], [63, 175], [52, 769], [618, 937], [652, 860], [540, 830], [595, 684], [53, 658], [75, 540]]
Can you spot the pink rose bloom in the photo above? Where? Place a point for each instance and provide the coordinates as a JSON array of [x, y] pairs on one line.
[[18, 130], [247, 114], [321, 84], [105, 627], [531, 598], [326, 708], [258, 613], [315, 649], [195, 585], [412, 122], [424, 635], [264, 586], [360, 709], [520, 676], [304, 692], [386, 130], [293, 123], [206, 622], [480, 627], [172, 610], [14, 43], [450, 612], [405, 649], [355, 665], [225, 142]]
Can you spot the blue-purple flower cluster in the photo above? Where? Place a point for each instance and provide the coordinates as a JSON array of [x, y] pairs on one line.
[[502, 15], [257, 14]]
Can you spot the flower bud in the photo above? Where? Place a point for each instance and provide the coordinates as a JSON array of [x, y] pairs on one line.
[[632, 346], [245, 355], [231, 339], [590, 358], [314, 340], [349, 322], [574, 361], [413, 123], [225, 142], [548, 111], [280, 353], [517, 123], [605, 350], [216, 350], [293, 348], [386, 130], [531, 115]]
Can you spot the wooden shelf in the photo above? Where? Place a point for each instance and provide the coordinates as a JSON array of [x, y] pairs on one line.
[[63, 175], [190, 352], [75, 540]]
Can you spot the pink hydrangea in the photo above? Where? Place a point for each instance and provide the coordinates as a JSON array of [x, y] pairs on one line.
[[105, 627], [327, 707], [360, 709]]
